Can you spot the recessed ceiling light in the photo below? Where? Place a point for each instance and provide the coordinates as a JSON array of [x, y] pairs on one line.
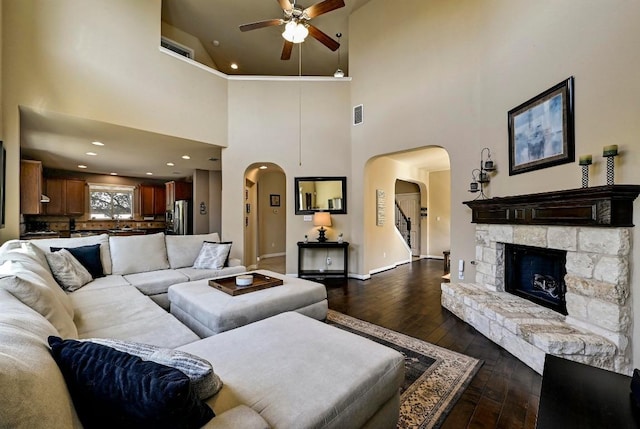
[[234, 66], [214, 159], [91, 153], [114, 174], [263, 167], [215, 43], [82, 166], [170, 164], [96, 143], [186, 157], [149, 173]]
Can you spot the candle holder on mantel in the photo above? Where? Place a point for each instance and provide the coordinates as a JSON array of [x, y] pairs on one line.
[[585, 162], [610, 152]]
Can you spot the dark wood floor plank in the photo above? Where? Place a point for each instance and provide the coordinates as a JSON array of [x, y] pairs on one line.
[[504, 394]]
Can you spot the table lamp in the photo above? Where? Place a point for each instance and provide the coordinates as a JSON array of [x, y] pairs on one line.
[[322, 219]]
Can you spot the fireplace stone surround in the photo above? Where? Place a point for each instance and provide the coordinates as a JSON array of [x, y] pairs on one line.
[[593, 225]]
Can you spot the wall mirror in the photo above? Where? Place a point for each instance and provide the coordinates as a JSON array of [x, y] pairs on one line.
[[327, 194]]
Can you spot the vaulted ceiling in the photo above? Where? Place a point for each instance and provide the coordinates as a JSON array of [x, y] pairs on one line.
[[257, 52]]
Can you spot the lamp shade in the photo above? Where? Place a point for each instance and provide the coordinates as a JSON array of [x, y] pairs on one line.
[[322, 219]]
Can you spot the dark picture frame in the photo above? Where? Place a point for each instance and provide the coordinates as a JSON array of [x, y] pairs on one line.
[[274, 200], [541, 130]]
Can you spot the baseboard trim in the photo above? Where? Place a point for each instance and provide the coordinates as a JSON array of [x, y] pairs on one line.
[[272, 255]]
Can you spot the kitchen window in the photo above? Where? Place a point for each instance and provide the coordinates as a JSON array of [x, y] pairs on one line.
[[111, 201]]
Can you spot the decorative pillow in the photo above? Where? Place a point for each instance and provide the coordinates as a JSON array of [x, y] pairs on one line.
[[88, 256], [204, 381], [111, 388], [69, 273], [213, 256]]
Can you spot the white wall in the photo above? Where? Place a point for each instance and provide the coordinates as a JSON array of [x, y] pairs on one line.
[[447, 73]]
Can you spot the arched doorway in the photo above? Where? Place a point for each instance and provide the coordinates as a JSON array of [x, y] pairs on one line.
[[265, 217]]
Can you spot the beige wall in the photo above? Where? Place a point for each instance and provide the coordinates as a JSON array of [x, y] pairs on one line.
[[215, 203], [453, 70], [200, 195], [272, 220], [100, 60], [264, 126], [439, 213]]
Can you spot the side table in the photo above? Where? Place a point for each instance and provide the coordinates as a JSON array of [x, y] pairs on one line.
[[312, 246]]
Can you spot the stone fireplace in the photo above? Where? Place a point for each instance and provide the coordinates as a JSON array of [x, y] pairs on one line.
[[589, 229]]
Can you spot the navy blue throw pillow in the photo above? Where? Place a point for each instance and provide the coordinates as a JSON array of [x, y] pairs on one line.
[[113, 389], [88, 256]]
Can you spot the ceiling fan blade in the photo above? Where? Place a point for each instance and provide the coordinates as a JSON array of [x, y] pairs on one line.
[[322, 7], [286, 50], [261, 24], [317, 34], [285, 5]]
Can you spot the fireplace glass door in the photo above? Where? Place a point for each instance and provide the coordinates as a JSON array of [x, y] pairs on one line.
[[536, 274]]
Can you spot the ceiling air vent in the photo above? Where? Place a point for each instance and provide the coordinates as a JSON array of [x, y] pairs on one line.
[[357, 115], [176, 47]]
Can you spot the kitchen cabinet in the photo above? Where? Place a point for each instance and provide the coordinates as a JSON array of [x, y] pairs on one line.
[[67, 197], [152, 200], [30, 187], [177, 191]]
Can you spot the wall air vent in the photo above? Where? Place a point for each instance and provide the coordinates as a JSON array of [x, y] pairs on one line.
[[357, 115], [176, 47]]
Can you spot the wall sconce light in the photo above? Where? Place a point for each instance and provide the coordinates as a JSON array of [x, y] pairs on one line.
[[480, 176], [322, 219]]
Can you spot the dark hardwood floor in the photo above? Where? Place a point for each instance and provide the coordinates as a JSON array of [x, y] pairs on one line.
[[504, 394]]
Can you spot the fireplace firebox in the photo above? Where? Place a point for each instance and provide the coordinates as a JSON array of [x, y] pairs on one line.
[[536, 274]]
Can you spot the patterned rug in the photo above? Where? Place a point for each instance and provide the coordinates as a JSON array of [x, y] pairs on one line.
[[434, 377]]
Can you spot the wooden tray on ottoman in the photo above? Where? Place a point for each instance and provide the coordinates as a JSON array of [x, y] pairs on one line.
[[260, 281]]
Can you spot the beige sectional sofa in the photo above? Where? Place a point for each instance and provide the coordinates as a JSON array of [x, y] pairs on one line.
[[287, 371]]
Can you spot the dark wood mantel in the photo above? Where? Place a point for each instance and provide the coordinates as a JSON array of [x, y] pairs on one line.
[[606, 206]]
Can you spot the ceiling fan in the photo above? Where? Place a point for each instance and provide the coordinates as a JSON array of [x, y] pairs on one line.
[[297, 26]]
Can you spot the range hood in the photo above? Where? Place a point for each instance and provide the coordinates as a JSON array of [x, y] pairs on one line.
[[44, 198]]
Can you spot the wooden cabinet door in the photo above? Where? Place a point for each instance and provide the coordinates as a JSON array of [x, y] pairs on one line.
[[55, 190], [146, 200], [75, 196], [159, 200], [184, 191], [30, 187]]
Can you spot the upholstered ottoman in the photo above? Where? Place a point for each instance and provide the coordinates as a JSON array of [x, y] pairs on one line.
[[208, 311], [297, 372]]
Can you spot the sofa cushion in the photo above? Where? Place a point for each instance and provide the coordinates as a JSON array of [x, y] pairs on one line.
[[194, 274], [155, 282], [102, 239], [182, 250], [68, 271], [138, 253], [33, 393], [205, 382], [213, 256], [88, 256], [15, 279], [124, 313], [111, 388], [344, 395]]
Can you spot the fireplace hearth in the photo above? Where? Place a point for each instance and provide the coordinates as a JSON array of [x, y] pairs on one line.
[[536, 274], [592, 227]]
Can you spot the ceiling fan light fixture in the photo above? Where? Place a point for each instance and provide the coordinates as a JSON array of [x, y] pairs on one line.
[[295, 32]]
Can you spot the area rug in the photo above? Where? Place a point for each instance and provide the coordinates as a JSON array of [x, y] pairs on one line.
[[434, 377]]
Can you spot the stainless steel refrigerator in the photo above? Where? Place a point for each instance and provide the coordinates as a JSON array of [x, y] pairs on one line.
[[182, 215]]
